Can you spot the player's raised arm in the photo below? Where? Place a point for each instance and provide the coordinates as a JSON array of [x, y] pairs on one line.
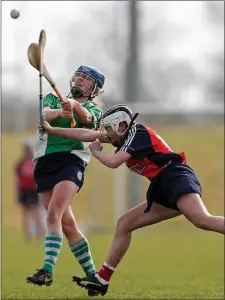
[[50, 110]]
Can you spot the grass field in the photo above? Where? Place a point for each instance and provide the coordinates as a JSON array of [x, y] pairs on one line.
[[161, 264], [172, 260]]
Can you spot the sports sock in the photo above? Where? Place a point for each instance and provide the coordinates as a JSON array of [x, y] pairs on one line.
[[105, 273], [53, 244], [82, 253]]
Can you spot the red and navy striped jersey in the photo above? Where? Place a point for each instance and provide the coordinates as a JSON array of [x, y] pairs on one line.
[[149, 152]]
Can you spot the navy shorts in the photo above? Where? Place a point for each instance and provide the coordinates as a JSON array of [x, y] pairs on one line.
[[28, 197], [172, 182], [54, 168]]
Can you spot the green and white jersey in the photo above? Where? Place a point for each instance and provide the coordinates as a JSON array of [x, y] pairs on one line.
[[52, 143]]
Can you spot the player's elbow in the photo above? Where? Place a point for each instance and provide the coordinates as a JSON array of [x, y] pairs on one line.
[[113, 164], [50, 114], [86, 119], [89, 119], [46, 113]]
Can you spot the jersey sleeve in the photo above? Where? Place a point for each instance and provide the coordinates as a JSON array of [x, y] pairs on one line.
[[96, 113], [137, 142], [50, 100]]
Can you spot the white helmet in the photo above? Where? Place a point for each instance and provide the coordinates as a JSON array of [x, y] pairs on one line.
[[114, 116]]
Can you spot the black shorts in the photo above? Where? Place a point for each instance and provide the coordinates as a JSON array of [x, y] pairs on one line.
[[172, 182], [54, 168], [28, 198]]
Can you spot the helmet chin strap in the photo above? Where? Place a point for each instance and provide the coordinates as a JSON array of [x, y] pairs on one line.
[[76, 93], [118, 144], [95, 95]]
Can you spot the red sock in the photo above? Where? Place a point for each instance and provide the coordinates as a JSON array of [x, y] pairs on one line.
[[106, 272]]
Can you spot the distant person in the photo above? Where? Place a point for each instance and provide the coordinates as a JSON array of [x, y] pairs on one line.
[[32, 211]]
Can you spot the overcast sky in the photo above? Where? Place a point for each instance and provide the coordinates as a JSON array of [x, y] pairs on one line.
[[54, 17]]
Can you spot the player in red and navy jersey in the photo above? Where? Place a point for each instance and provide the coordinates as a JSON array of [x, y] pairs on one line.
[[27, 195], [174, 188]]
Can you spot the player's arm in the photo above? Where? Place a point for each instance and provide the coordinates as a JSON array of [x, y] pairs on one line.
[[137, 138], [82, 113], [51, 114], [94, 113], [79, 134], [71, 105], [111, 161], [50, 110]]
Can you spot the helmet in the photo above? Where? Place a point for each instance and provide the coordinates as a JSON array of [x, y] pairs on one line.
[[110, 122], [115, 115], [90, 78]]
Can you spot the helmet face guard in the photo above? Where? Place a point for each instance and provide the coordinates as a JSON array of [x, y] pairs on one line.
[[82, 85], [86, 82], [111, 120]]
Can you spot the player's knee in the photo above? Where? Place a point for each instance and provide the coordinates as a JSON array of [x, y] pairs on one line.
[[53, 216], [123, 223]]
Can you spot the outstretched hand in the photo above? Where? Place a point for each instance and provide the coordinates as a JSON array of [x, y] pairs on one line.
[[95, 146]]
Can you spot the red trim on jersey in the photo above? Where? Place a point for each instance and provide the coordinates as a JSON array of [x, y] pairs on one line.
[[158, 144]]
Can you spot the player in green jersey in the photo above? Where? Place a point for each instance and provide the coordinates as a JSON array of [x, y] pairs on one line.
[[59, 170]]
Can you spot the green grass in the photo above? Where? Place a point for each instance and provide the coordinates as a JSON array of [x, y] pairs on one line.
[[162, 263]]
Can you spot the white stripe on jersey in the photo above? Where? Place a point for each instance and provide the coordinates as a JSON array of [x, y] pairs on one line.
[[129, 139]]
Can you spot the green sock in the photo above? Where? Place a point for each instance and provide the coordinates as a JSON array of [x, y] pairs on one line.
[[82, 253], [53, 244]]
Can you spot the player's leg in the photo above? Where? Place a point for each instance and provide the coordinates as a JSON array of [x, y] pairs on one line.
[[27, 200], [78, 243], [193, 208], [61, 197], [184, 192], [74, 237], [41, 275], [25, 212], [37, 212], [26, 215], [45, 198], [130, 221]]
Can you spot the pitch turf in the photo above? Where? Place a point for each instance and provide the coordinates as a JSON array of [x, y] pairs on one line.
[[163, 263]]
